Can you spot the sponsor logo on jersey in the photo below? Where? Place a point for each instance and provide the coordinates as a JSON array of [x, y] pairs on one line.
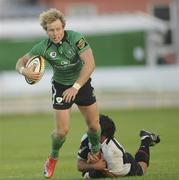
[[81, 43], [64, 63], [69, 52], [53, 54]]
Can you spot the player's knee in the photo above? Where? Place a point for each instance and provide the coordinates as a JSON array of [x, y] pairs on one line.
[[94, 126], [62, 133]]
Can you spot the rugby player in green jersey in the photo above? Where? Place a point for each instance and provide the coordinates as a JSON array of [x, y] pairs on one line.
[[72, 61]]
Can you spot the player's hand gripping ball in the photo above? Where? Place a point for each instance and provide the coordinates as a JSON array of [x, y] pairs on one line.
[[37, 63]]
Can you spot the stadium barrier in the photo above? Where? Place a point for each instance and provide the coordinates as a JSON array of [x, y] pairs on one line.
[[117, 88]]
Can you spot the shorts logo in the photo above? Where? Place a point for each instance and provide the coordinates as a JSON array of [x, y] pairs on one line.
[[59, 100], [81, 44], [53, 54]]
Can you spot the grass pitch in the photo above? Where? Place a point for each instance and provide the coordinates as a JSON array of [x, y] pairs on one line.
[[25, 143]]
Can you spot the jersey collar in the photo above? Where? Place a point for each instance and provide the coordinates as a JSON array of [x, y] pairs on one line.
[[61, 42]]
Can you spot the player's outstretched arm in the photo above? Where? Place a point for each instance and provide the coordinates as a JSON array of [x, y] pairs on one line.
[[88, 66], [83, 166], [86, 71]]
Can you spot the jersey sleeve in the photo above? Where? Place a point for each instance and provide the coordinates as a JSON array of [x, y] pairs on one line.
[[80, 43], [37, 49], [84, 148]]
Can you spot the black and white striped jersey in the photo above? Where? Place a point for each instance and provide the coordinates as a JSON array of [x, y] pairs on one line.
[[113, 153]]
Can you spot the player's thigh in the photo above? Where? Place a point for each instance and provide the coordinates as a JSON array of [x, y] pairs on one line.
[[57, 96], [143, 166], [62, 120], [91, 115], [136, 169]]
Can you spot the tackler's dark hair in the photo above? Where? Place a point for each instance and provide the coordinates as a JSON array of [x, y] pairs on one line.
[[108, 127]]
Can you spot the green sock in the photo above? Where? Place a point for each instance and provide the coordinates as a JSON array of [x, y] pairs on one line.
[[56, 145], [94, 139]]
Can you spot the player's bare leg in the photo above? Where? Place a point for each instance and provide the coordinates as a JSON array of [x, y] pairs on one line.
[[58, 138], [91, 116], [144, 167], [143, 154]]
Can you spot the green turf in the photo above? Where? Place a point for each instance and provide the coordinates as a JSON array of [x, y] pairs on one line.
[[25, 143]]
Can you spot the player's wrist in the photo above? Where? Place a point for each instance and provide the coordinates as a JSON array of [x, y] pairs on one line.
[[21, 70], [77, 86]]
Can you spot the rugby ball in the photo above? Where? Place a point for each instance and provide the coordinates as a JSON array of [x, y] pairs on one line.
[[37, 63]]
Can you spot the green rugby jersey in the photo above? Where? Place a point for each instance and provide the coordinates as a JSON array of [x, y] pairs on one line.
[[64, 56]]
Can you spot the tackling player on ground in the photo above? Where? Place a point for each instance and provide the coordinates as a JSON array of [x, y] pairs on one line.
[[72, 61], [115, 161]]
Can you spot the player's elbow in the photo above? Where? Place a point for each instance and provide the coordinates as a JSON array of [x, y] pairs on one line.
[[79, 166], [21, 62]]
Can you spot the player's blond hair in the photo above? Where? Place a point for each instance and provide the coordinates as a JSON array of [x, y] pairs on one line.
[[50, 16]]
